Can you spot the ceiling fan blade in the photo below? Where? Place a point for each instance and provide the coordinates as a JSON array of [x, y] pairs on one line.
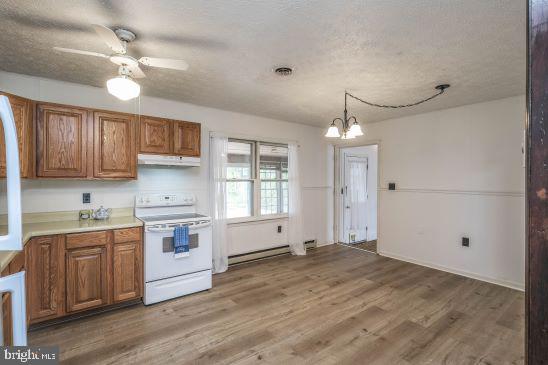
[[77, 51], [136, 72], [164, 63], [110, 38]]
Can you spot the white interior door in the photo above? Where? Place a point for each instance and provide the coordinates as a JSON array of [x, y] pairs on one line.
[[354, 200]]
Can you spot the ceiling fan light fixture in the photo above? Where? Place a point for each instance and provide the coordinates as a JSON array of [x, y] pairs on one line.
[[123, 87]]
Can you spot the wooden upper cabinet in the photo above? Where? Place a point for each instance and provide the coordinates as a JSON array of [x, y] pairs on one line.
[[86, 278], [115, 155], [61, 138], [45, 278], [22, 114], [186, 138], [155, 135]]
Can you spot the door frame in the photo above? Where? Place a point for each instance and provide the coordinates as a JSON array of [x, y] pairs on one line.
[[337, 201], [536, 248]]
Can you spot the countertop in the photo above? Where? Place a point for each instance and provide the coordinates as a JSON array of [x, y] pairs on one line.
[[65, 226]]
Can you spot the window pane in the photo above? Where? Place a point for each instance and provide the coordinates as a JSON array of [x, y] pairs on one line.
[[274, 198], [239, 160], [285, 197], [272, 162], [273, 166], [239, 198]]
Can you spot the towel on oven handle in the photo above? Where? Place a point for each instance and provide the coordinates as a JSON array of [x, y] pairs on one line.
[[181, 242]]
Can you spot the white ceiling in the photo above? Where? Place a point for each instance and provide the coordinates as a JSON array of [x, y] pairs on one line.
[[386, 51]]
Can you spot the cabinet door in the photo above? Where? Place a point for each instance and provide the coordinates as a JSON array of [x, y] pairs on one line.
[[15, 266], [7, 328], [22, 114], [154, 135], [61, 138], [127, 271], [86, 278], [45, 281], [186, 138], [115, 155]]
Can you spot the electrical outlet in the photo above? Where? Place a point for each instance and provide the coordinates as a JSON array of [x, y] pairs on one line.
[[465, 242], [392, 186], [279, 229], [86, 198]]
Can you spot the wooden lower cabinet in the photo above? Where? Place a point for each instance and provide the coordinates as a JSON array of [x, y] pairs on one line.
[[16, 265], [86, 278], [68, 274], [45, 277], [127, 277], [7, 329]]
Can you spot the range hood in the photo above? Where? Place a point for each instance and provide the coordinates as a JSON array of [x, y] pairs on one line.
[[165, 160]]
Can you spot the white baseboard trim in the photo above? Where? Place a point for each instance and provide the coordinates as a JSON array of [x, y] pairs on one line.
[[508, 284]]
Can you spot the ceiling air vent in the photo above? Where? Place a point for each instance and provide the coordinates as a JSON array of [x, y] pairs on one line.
[[283, 71]]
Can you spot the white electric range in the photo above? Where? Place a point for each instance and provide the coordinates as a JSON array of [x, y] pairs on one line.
[[167, 277]]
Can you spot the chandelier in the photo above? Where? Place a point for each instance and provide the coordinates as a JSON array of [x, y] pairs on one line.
[[350, 126]]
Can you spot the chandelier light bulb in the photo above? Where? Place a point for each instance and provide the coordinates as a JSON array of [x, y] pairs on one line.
[[356, 130], [333, 131]]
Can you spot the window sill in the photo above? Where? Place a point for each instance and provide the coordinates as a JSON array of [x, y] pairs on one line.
[[257, 218]]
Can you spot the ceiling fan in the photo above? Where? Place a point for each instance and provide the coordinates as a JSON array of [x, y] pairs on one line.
[[123, 86]]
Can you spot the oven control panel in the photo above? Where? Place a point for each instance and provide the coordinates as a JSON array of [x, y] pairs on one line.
[[162, 200]]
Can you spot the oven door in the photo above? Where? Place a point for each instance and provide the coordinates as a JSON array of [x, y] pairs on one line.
[[160, 262]]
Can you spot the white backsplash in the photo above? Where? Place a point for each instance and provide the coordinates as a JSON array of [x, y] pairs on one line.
[[63, 195]]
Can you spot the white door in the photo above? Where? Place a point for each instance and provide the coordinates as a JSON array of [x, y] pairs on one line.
[[354, 199]]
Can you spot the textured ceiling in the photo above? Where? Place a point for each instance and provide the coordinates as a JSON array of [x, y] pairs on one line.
[[385, 51]]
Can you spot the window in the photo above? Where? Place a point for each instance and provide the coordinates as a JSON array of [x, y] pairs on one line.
[[239, 174], [257, 179]]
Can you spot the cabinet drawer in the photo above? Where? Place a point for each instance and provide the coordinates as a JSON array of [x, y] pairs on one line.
[[88, 239], [127, 235]]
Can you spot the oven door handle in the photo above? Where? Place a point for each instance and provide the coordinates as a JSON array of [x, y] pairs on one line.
[[170, 229]]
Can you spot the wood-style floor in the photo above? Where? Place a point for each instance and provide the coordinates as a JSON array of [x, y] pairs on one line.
[[370, 246], [334, 306]]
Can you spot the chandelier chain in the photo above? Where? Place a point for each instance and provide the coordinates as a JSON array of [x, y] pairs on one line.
[[441, 89]]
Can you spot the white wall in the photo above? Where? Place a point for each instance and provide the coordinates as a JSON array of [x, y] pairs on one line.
[[372, 178], [458, 173], [56, 195]]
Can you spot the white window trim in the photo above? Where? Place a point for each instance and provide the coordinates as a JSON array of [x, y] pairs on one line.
[[260, 218], [255, 165]]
